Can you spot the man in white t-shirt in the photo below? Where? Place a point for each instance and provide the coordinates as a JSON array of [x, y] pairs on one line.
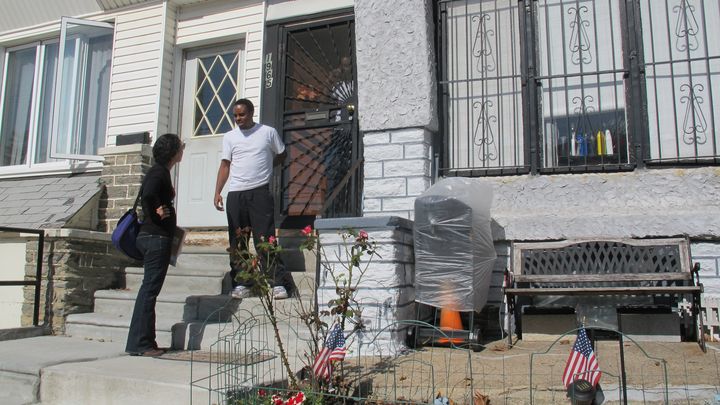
[[249, 153]]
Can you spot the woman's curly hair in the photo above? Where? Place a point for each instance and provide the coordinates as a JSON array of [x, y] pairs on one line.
[[166, 147]]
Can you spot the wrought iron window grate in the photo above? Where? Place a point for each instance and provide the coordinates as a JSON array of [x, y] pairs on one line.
[[568, 85]]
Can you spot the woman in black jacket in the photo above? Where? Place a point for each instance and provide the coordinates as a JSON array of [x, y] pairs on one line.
[[154, 241]]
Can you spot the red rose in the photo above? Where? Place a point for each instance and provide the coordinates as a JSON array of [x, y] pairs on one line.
[[272, 240], [306, 231]]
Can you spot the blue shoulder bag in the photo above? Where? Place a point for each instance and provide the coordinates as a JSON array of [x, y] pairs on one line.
[[125, 234]]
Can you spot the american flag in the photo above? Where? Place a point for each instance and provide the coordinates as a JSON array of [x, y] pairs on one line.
[[582, 363], [334, 350]]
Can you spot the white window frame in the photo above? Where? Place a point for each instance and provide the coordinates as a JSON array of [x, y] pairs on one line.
[[57, 102], [64, 163]]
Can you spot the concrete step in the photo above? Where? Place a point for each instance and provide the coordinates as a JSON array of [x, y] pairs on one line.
[[252, 327], [196, 280], [178, 307], [124, 380], [113, 328], [22, 362]]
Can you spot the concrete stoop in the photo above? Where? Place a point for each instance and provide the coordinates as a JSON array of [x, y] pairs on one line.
[[23, 361], [123, 380]]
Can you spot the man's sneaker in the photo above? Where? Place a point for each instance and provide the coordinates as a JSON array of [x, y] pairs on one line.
[[240, 292], [279, 293]]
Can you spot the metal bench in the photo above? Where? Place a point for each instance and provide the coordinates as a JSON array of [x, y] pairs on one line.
[[610, 267]]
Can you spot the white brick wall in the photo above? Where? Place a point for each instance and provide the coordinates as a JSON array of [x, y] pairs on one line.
[[397, 169], [385, 293], [708, 255]]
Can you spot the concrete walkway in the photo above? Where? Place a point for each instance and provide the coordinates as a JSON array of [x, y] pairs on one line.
[[55, 370]]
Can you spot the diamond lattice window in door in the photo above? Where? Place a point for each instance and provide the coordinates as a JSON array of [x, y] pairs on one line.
[[217, 89]]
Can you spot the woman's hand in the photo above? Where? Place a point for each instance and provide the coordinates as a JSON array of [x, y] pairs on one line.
[[164, 211]]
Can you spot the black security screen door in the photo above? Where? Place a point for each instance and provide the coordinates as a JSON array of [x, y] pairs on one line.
[[316, 96]]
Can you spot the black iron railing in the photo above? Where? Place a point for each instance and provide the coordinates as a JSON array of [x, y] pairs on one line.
[[38, 269]]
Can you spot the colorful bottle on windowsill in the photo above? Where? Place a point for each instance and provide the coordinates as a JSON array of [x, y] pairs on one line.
[[582, 144], [600, 143], [608, 142]]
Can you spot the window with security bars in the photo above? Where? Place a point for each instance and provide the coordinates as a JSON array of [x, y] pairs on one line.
[[577, 85], [218, 78]]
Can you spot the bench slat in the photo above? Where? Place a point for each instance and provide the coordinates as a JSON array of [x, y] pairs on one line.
[[604, 290], [574, 278]]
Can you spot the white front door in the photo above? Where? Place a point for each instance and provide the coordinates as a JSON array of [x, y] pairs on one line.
[[211, 83]]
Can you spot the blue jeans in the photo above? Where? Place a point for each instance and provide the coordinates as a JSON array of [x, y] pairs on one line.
[[156, 250]]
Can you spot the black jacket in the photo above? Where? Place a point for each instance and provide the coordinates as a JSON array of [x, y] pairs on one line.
[[157, 190]]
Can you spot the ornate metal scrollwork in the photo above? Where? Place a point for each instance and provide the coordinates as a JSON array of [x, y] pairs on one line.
[[482, 46], [483, 136], [694, 123], [582, 105], [686, 27], [579, 40]]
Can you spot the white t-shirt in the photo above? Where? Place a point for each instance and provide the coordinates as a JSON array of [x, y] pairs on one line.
[[251, 153]]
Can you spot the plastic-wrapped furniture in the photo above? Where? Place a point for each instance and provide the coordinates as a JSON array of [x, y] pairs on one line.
[[454, 252]]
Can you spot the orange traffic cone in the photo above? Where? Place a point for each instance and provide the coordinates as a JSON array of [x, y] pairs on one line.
[[450, 321]]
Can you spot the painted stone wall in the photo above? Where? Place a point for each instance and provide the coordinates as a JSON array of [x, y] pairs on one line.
[[386, 293], [642, 203], [396, 102], [75, 264]]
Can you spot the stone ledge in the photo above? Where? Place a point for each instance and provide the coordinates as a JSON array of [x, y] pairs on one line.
[[126, 149], [366, 223], [76, 234]]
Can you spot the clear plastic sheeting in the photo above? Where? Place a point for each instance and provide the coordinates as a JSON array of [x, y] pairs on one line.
[[454, 252]]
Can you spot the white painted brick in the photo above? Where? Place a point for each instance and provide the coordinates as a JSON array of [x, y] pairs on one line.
[[379, 275], [385, 188], [417, 150], [705, 249], [408, 135], [708, 267], [373, 170], [376, 138], [392, 252], [372, 204], [417, 185], [383, 152], [400, 214], [396, 204], [406, 168]]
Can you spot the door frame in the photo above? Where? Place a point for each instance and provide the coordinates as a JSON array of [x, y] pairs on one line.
[[272, 93], [180, 99]]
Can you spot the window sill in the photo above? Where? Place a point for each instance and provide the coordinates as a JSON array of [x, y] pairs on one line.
[[50, 169]]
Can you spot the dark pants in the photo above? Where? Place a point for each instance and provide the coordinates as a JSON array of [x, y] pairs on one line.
[[254, 209], [156, 250]]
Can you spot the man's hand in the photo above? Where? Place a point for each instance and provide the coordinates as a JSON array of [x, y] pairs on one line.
[[219, 202], [222, 176]]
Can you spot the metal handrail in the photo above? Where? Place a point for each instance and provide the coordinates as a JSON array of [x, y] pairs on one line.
[[38, 269]]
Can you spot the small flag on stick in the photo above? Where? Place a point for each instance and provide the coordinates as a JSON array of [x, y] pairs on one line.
[[582, 363], [333, 350]]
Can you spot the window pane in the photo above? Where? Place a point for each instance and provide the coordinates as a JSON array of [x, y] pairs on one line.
[[484, 128], [217, 89], [82, 109], [583, 95], [17, 107], [682, 60], [49, 72]]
